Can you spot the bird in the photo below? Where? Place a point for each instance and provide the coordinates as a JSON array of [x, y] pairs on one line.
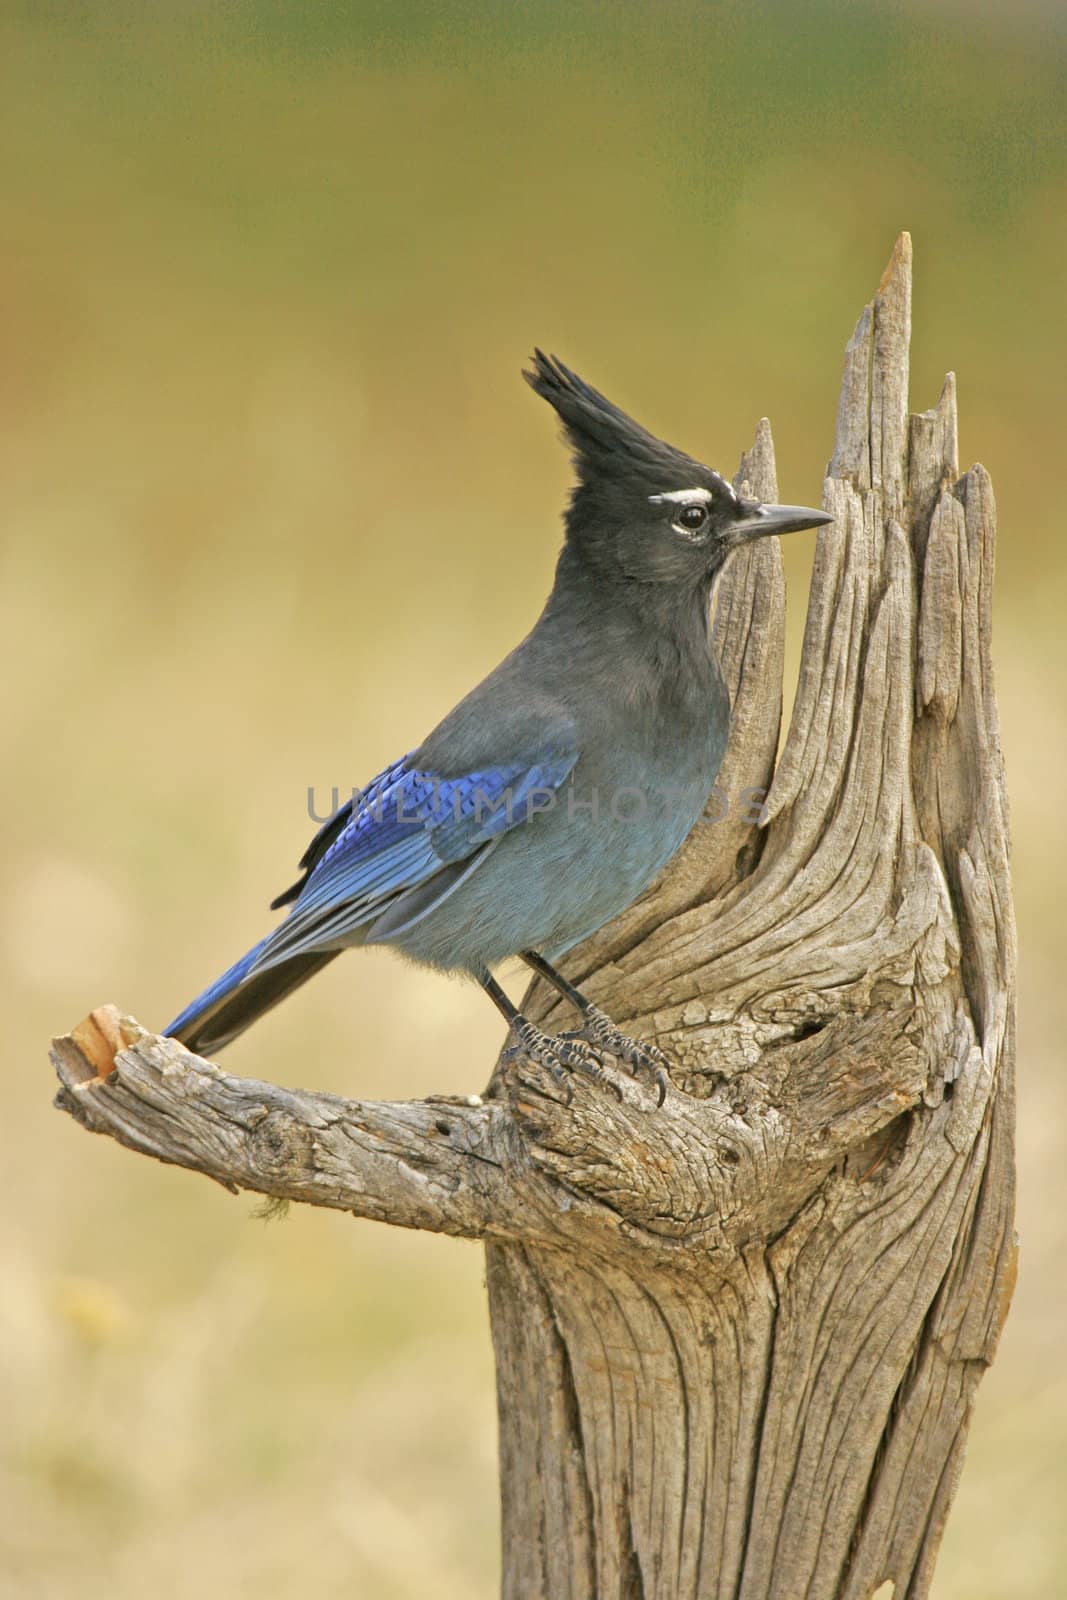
[[559, 788]]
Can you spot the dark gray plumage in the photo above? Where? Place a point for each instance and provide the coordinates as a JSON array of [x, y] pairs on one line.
[[551, 796]]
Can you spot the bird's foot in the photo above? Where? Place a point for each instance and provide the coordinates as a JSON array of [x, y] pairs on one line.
[[603, 1035], [560, 1054]]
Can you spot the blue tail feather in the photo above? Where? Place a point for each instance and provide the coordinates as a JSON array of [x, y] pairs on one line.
[[234, 1001]]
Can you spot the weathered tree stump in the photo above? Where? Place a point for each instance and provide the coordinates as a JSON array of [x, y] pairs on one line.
[[737, 1338]]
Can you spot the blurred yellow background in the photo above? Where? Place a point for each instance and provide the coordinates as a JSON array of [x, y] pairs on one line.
[[273, 498]]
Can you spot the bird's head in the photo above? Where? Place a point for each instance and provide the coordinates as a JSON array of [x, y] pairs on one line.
[[640, 509]]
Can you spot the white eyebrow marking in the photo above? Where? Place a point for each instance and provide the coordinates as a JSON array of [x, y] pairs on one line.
[[697, 495], [682, 497], [727, 486]]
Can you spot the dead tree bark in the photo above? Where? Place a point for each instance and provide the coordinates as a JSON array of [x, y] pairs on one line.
[[738, 1338]]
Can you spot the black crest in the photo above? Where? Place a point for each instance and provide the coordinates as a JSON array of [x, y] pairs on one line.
[[606, 442]]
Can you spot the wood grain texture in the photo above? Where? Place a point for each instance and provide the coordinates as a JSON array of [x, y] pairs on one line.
[[738, 1338]]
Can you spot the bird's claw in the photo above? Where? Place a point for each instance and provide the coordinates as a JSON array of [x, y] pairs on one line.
[[583, 1050], [634, 1054], [560, 1054]]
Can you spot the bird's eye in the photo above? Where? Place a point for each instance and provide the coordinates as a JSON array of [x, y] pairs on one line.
[[691, 519]]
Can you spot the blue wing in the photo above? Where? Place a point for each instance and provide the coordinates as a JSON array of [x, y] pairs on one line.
[[383, 861], [407, 829]]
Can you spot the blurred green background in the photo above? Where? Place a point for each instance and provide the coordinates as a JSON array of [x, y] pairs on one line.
[[273, 498]]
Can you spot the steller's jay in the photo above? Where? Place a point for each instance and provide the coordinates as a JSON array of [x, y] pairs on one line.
[[551, 796]]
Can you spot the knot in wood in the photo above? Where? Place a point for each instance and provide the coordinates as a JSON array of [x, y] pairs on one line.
[[281, 1145]]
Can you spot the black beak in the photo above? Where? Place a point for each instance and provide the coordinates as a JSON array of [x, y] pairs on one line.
[[758, 520]]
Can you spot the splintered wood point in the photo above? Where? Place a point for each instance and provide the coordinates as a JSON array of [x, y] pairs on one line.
[[98, 1038]]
